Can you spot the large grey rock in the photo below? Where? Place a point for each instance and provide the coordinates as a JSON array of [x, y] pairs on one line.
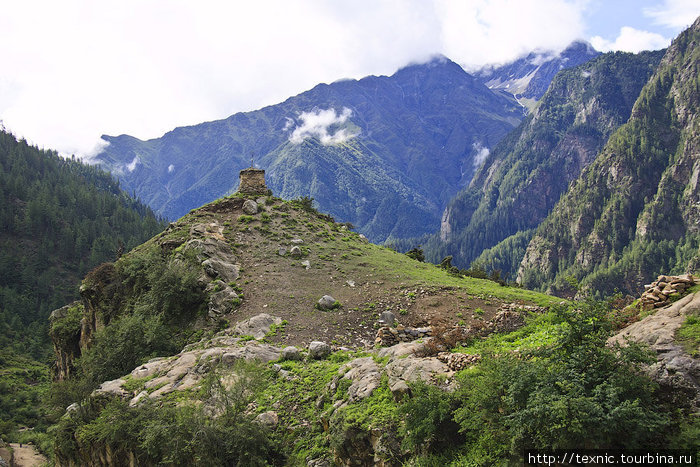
[[326, 302], [111, 388], [257, 326], [677, 373], [222, 300], [365, 375], [291, 353], [222, 269], [250, 207], [252, 352], [268, 418], [413, 369], [319, 350]]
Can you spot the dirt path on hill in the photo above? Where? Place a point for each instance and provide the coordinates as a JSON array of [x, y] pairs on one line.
[[27, 456]]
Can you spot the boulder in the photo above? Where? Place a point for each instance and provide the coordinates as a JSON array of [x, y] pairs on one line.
[[282, 251], [291, 353], [319, 350], [222, 269], [307, 264], [295, 252], [250, 207], [327, 302], [257, 326], [269, 418]]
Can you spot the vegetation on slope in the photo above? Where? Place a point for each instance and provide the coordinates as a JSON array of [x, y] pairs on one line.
[[58, 218], [527, 172], [632, 214]]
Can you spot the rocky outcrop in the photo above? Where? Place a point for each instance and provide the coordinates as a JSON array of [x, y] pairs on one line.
[[677, 372]]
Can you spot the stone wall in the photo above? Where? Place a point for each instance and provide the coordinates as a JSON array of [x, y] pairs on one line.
[[252, 182]]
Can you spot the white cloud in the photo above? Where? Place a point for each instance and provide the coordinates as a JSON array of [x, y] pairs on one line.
[[676, 14], [631, 40], [480, 154], [475, 32], [171, 168], [75, 69], [319, 124], [131, 166]]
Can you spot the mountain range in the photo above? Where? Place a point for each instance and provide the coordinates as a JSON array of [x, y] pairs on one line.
[[525, 174], [385, 153]]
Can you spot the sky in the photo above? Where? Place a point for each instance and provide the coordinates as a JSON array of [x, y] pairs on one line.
[[76, 69]]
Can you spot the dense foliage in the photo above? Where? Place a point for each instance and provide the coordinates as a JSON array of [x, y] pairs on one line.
[[58, 218], [524, 176], [221, 433], [572, 392]]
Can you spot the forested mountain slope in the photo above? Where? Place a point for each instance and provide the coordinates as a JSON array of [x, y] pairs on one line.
[[635, 211], [522, 179], [58, 219]]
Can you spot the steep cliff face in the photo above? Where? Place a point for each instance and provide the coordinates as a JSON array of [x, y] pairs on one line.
[[635, 211], [522, 179]]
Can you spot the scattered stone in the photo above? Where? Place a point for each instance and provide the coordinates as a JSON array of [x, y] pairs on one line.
[[257, 326], [388, 336], [307, 264], [295, 252], [291, 353], [250, 207], [260, 201], [268, 418], [297, 241], [319, 350], [363, 238], [458, 361], [350, 283], [282, 251]]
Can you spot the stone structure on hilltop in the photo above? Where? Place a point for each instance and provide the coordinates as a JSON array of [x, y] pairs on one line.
[[252, 182]]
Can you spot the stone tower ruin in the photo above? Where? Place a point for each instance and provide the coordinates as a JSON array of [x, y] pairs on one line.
[[252, 182]]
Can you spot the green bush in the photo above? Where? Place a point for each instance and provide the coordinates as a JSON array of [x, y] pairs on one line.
[[125, 344]]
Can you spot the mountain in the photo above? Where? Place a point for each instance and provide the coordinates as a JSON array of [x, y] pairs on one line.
[[58, 219], [256, 331], [528, 78], [524, 176], [634, 211], [385, 153]]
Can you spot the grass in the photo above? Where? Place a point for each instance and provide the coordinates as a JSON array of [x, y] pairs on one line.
[[688, 335], [541, 331]]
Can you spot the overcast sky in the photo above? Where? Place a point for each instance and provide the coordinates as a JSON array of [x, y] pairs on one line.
[[71, 70]]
